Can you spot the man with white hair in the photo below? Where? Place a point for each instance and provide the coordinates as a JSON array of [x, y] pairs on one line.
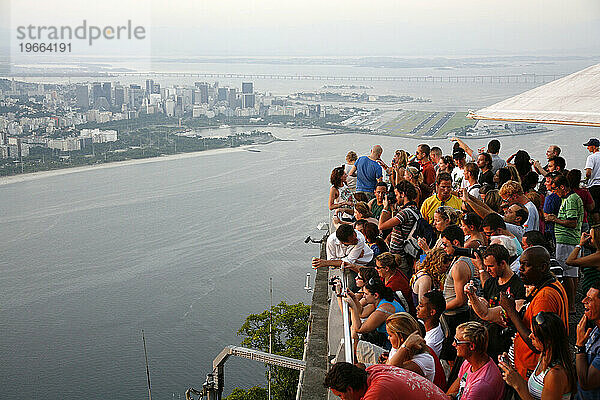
[[368, 171]]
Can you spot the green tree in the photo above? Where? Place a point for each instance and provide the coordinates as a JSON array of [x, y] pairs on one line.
[[254, 393], [289, 327]]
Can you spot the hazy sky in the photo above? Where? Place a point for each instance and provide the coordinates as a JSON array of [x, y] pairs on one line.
[[333, 27]]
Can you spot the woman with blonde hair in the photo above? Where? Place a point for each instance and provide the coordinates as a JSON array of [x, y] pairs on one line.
[[414, 176], [351, 158], [409, 350], [443, 217], [399, 163], [493, 200], [431, 275]]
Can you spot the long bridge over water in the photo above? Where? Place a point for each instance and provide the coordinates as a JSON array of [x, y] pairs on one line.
[[514, 78]]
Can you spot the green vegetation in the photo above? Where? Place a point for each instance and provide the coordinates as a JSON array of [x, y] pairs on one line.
[[407, 120], [458, 122], [290, 324], [153, 135]]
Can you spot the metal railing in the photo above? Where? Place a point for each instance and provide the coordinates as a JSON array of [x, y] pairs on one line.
[[212, 389], [345, 279]]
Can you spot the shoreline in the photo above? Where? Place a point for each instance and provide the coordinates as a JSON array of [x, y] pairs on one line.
[[7, 180]]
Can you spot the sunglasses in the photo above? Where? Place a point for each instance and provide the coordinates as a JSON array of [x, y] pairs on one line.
[[539, 318], [373, 281], [459, 342]]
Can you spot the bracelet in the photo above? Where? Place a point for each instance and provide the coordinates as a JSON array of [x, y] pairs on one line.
[[387, 211], [578, 246]]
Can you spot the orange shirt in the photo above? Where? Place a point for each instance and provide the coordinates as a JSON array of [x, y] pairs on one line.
[[547, 299]]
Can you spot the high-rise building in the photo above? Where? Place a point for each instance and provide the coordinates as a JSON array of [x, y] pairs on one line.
[[97, 92], [149, 87], [82, 96], [232, 98], [203, 92], [247, 88], [107, 92], [136, 95], [222, 94], [179, 106], [248, 100], [119, 96]]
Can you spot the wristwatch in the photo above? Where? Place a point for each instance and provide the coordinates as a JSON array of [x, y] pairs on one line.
[[580, 349]]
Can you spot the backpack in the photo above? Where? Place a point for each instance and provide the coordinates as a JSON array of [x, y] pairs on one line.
[[424, 229]]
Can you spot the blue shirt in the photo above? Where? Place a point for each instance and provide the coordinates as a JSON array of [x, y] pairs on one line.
[[592, 350], [551, 206], [367, 173]]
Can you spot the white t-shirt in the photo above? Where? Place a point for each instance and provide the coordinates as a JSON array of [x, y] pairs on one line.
[[434, 339], [426, 362], [533, 222], [359, 253], [458, 176], [472, 190], [350, 180], [593, 162]]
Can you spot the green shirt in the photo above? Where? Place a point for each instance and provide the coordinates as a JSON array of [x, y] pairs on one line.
[[570, 208]]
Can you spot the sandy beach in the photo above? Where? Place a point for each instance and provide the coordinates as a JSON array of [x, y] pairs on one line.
[[6, 180]]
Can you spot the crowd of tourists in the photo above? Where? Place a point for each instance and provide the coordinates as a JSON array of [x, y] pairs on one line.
[[466, 272]]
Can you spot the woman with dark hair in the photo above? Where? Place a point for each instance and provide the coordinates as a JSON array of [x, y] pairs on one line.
[[388, 268], [373, 328], [502, 176], [361, 211], [530, 181], [365, 274], [471, 226], [371, 232], [446, 164], [339, 194], [522, 162], [554, 376]]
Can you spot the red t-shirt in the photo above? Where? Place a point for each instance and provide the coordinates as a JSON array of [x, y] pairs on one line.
[[386, 382], [428, 172], [547, 299], [398, 282], [586, 198]]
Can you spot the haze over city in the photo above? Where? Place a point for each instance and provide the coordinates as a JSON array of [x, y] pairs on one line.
[[344, 28]]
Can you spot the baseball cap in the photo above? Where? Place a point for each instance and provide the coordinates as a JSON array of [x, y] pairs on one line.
[[592, 142]]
